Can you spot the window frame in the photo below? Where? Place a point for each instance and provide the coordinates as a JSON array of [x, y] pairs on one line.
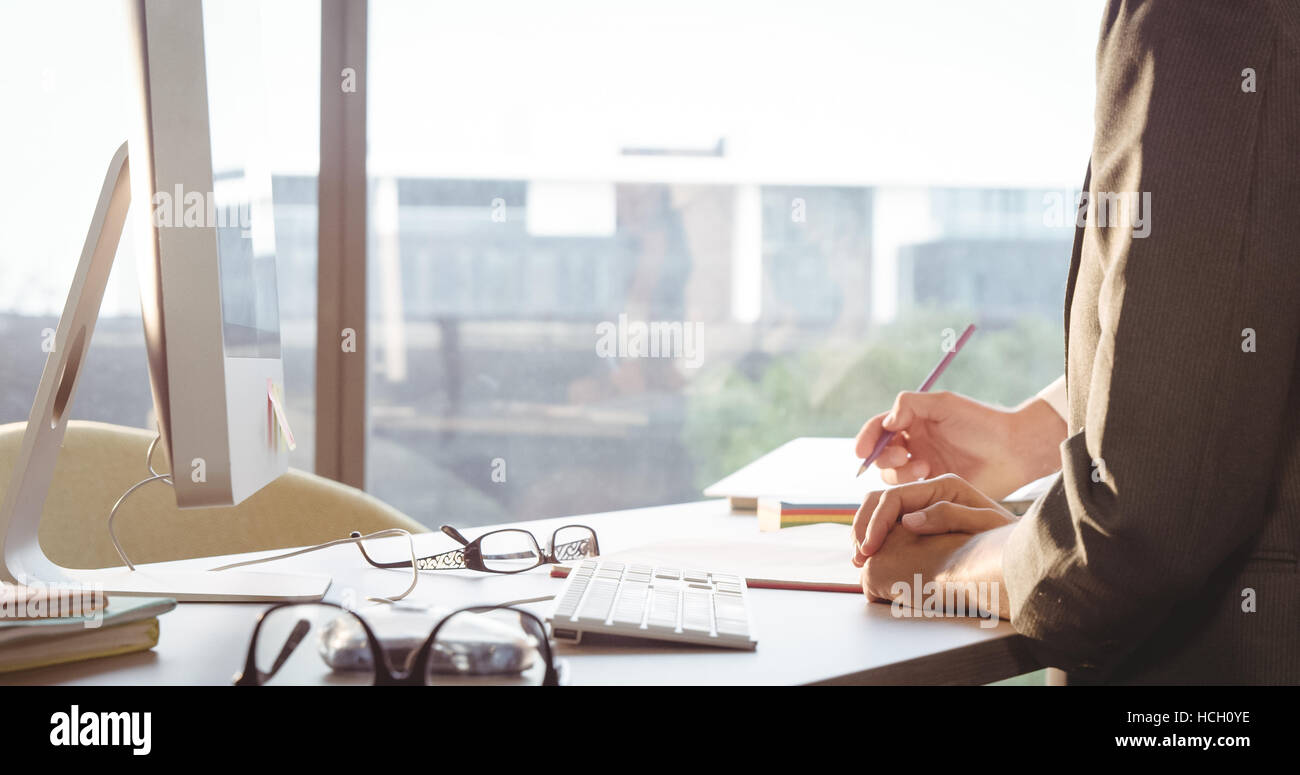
[[341, 245]]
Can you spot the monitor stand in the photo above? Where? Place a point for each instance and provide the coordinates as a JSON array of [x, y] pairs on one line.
[[24, 562], [204, 586]]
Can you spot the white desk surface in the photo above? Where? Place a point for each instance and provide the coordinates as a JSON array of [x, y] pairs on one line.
[[803, 637]]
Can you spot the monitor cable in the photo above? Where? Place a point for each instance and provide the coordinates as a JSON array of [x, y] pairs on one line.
[[112, 514], [352, 539]]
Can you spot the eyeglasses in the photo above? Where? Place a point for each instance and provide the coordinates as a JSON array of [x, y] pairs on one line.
[[502, 551], [480, 644]]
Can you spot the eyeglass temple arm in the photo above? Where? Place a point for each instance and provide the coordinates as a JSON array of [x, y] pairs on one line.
[[300, 631], [455, 534], [453, 559], [362, 547], [572, 550], [449, 560]]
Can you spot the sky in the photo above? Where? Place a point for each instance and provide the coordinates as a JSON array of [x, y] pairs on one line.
[[928, 92]]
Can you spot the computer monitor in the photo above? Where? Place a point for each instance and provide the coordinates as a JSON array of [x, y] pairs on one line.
[[207, 262], [206, 254]]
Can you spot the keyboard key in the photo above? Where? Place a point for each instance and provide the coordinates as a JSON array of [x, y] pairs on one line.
[[733, 629], [697, 611], [568, 603], [663, 610], [599, 600], [631, 604]]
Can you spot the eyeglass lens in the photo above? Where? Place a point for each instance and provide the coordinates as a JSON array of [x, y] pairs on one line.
[[497, 646], [506, 551], [314, 643]]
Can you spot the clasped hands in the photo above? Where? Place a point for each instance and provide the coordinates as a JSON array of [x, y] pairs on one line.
[[931, 528], [948, 529]]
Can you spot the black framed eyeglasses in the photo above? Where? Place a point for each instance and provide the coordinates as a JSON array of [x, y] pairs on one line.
[[312, 643], [510, 550]]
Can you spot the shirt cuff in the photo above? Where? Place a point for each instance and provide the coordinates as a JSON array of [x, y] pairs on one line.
[[1054, 395]]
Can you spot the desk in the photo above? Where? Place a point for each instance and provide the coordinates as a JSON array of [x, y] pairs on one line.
[[803, 637]]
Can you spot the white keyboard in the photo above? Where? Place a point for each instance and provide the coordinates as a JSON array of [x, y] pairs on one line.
[[686, 606]]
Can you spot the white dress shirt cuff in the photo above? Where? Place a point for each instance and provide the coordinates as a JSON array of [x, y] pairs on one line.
[[1054, 395]]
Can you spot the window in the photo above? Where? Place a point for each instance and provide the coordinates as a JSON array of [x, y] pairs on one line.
[[52, 177], [618, 250], [615, 250], [72, 103]]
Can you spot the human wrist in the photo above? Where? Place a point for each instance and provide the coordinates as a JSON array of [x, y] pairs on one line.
[[1035, 438], [979, 560]]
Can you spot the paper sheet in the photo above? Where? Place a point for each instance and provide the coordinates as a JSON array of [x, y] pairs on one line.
[[812, 557]]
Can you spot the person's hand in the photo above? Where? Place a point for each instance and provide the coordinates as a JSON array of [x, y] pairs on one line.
[[904, 556], [951, 533], [965, 568], [945, 504], [997, 450]]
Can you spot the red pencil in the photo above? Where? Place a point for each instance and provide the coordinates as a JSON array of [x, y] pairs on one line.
[[925, 387]]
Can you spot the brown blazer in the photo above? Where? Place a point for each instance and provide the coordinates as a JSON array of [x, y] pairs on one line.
[[1167, 550]]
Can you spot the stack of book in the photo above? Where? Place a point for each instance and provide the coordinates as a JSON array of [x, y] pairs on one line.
[[49, 625]]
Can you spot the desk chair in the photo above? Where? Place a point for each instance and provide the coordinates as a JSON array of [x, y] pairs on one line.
[[100, 461]]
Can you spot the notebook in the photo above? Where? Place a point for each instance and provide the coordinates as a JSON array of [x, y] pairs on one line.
[[813, 557], [107, 641], [777, 513], [128, 624], [19, 602]]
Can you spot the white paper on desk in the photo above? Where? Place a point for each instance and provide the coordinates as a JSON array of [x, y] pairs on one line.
[[1020, 500], [821, 470], [808, 469], [810, 557]]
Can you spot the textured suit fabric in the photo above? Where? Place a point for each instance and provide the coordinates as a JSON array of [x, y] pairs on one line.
[[1167, 550]]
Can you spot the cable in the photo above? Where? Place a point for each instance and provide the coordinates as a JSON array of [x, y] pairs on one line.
[[148, 456], [353, 539], [527, 600], [112, 514]]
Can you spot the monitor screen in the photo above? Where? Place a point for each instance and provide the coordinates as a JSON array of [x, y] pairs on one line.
[[241, 196]]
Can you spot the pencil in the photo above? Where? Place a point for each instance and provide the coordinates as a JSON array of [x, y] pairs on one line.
[[925, 387]]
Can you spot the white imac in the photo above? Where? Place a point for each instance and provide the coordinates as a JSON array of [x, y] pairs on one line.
[[206, 253]]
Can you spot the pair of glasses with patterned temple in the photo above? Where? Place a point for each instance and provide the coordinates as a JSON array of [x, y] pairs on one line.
[[297, 644], [502, 551]]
